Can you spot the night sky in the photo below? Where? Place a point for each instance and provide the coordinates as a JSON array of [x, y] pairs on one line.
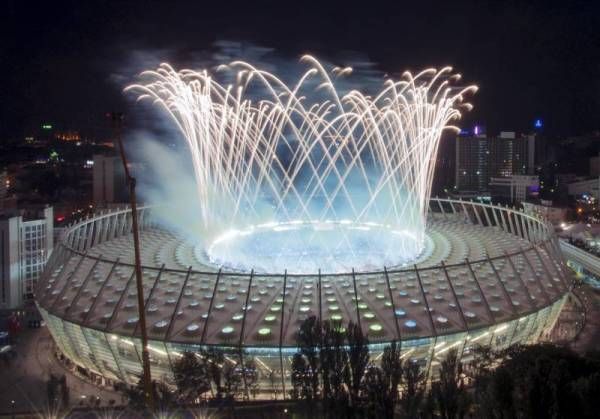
[[531, 59]]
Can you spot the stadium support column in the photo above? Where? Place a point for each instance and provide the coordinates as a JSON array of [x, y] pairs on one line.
[[281, 333], [485, 301], [433, 329], [535, 275], [532, 303], [241, 341], [389, 288], [458, 305], [502, 286], [356, 300]]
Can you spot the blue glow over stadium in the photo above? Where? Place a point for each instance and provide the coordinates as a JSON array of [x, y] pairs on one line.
[[307, 177]]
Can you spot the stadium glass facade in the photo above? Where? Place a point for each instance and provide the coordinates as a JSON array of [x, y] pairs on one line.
[[508, 290]]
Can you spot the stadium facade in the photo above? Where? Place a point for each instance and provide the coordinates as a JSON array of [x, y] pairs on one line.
[[492, 276]]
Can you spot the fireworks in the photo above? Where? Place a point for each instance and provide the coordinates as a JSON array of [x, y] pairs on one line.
[[307, 163]]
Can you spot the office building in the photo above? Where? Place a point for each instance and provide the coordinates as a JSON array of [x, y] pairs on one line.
[[26, 241], [109, 186], [480, 158]]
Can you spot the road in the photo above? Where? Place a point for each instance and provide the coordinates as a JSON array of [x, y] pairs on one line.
[[589, 338], [23, 379]]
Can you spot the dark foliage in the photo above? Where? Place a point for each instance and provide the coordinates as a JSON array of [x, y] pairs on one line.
[[192, 377], [539, 381]]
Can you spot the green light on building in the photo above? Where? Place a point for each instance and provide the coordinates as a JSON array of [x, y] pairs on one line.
[[46, 126]]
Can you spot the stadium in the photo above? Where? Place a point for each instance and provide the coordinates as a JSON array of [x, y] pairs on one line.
[[495, 276], [307, 209]]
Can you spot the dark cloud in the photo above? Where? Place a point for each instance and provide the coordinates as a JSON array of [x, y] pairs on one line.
[[535, 58]]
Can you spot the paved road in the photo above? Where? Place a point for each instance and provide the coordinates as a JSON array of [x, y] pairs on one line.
[[23, 379], [589, 338]]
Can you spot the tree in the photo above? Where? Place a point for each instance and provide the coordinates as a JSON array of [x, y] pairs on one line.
[[191, 377], [274, 382], [380, 384], [214, 360], [391, 366], [301, 382], [334, 365], [232, 380], [428, 409], [358, 359], [541, 381], [450, 391], [491, 393], [309, 340], [164, 398], [375, 394], [413, 391], [587, 390], [251, 372]]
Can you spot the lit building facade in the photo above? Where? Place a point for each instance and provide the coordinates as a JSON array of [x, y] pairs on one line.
[[589, 187], [514, 187], [26, 241], [480, 158]]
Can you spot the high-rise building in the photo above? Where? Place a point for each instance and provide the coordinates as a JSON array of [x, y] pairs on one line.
[[26, 241], [471, 168], [480, 158], [108, 181]]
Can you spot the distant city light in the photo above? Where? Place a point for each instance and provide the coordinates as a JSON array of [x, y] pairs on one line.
[[538, 123], [46, 126]]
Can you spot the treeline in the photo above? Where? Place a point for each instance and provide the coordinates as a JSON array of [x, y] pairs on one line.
[[334, 376]]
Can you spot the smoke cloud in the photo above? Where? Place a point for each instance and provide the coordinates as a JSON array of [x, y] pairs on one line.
[[166, 177]]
